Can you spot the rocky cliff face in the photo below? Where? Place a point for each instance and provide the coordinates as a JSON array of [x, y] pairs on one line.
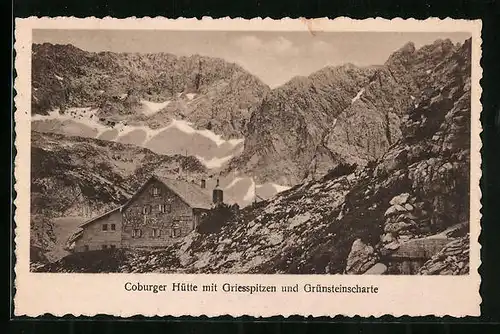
[[337, 115], [209, 92]]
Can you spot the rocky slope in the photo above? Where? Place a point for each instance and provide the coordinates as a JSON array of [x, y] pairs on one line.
[[144, 88], [337, 115]]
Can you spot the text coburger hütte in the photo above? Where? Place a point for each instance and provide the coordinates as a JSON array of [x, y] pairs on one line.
[[255, 288]]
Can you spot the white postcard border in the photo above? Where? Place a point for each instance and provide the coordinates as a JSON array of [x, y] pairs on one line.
[[91, 294]]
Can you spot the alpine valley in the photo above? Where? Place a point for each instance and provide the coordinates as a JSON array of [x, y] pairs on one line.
[[343, 171]]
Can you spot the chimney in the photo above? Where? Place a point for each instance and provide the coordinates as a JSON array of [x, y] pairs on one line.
[[217, 195], [203, 184]]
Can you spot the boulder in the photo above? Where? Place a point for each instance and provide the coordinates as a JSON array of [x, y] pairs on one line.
[[396, 208], [275, 239], [397, 227], [400, 199], [409, 207], [361, 258], [377, 269], [392, 246]]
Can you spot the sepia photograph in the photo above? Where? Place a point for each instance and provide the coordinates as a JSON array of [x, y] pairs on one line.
[[262, 152], [233, 167]]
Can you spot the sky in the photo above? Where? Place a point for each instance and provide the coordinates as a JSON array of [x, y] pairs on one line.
[[275, 57]]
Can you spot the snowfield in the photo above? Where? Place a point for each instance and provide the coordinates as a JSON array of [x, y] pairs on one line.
[[151, 108], [213, 153], [250, 193]]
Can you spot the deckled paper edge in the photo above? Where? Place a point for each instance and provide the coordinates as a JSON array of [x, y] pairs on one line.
[[22, 186]]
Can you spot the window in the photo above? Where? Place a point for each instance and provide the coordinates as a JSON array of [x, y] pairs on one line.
[[104, 227], [113, 227], [156, 233], [136, 233], [86, 248], [112, 246], [146, 209], [104, 246], [156, 191], [176, 230], [164, 208]]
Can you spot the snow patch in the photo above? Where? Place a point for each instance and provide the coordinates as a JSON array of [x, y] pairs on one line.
[[153, 107], [279, 188], [85, 116], [233, 182], [428, 71], [214, 162], [58, 77], [250, 192], [186, 127], [235, 142], [190, 96], [125, 129], [412, 97], [358, 96]]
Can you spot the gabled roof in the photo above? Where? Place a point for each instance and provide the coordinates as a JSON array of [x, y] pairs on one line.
[[91, 220], [192, 194], [78, 231], [75, 236]]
